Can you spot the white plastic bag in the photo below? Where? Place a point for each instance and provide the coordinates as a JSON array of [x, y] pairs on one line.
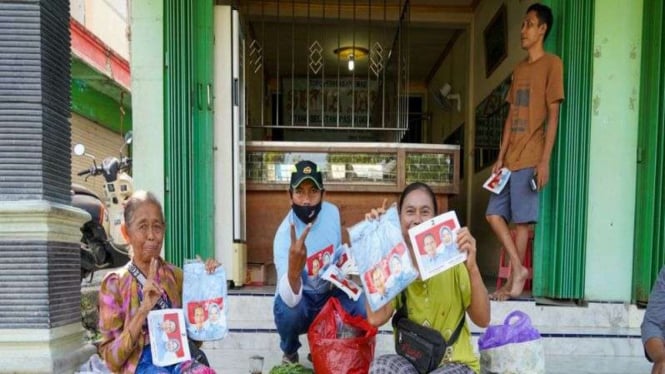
[[382, 258], [204, 301], [514, 347]]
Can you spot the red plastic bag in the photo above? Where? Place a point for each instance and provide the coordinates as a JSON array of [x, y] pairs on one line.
[[339, 342]]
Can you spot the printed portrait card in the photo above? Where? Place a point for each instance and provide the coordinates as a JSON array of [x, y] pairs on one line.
[[168, 337], [338, 273], [319, 260], [435, 244], [497, 181], [336, 276]]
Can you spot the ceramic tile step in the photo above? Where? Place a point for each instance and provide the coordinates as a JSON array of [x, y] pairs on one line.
[[573, 354], [576, 345], [255, 311]]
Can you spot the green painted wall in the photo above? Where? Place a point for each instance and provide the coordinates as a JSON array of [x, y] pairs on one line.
[[612, 167], [96, 106], [147, 52]]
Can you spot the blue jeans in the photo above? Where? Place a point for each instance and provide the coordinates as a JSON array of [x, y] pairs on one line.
[[292, 322], [145, 365]]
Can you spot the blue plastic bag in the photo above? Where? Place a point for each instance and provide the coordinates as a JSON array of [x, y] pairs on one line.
[[204, 301], [516, 328]]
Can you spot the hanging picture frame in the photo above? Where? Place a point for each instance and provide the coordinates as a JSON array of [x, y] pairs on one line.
[[495, 38]]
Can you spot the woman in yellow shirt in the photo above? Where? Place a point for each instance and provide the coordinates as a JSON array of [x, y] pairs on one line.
[[440, 301]]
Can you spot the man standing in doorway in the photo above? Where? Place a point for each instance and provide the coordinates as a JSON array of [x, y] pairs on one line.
[[535, 95]]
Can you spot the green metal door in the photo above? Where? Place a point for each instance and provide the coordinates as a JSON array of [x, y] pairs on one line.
[[188, 133], [649, 210], [560, 241]]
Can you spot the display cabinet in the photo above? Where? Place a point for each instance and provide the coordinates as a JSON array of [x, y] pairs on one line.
[[366, 167]]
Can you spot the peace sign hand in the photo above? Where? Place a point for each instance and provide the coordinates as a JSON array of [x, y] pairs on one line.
[[152, 292], [297, 256]]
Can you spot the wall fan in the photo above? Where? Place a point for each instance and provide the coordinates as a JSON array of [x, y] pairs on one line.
[[444, 98]]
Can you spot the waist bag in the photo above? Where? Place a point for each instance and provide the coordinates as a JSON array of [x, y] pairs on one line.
[[423, 346]]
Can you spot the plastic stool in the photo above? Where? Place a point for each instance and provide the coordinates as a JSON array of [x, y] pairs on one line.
[[504, 264]]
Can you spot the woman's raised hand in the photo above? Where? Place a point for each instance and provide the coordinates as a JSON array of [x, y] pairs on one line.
[[151, 289], [376, 212], [467, 243], [210, 264]]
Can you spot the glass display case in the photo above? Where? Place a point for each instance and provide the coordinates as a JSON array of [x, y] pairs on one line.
[[386, 167]]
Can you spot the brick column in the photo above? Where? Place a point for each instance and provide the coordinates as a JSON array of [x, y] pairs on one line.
[[40, 317]]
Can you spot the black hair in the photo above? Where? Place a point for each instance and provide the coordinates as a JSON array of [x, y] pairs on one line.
[[137, 199], [544, 14], [418, 186]]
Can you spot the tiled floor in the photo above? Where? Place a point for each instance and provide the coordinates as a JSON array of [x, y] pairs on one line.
[[597, 354], [237, 362], [254, 334]]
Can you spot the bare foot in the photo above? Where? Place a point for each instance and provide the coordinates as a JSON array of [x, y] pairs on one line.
[[502, 292], [519, 279], [500, 295]]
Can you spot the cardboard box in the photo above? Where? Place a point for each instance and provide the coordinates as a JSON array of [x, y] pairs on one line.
[[259, 274]]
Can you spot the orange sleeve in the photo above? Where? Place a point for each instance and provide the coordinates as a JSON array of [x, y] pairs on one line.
[[555, 82]]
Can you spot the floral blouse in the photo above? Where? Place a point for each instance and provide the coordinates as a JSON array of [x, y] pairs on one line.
[[119, 299]]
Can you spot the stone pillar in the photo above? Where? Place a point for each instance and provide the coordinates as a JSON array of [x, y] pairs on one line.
[[40, 317]]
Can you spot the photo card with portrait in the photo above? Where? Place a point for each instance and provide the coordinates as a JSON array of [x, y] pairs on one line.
[[497, 181], [168, 337], [318, 261], [340, 273], [336, 276], [435, 244]]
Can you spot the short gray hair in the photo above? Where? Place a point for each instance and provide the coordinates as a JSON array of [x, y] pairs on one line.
[[137, 199]]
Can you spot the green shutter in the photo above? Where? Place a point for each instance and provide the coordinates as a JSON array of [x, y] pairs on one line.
[[188, 129], [649, 210], [560, 242]]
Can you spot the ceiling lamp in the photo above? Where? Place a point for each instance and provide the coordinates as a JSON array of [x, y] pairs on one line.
[[351, 54]]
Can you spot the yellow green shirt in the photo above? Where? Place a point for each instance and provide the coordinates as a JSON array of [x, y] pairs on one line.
[[439, 302]]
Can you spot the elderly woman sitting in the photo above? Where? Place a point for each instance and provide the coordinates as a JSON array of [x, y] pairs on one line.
[[125, 301]]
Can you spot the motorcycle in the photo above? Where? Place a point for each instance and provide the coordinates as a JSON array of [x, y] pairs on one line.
[[102, 243]]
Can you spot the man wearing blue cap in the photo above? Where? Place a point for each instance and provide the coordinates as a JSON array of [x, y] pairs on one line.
[[309, 231]]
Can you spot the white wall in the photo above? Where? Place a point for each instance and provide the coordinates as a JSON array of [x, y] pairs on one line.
[[106, 19], [147, 68], [612, 162], [454, 71]]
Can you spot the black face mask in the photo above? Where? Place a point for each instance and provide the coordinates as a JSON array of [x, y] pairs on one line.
[[306, 213]]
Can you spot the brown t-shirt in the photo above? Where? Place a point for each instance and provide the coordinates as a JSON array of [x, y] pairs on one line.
[[534, 87]]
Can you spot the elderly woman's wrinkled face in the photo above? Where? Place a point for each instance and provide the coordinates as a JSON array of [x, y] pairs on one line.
[[145, 232]]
